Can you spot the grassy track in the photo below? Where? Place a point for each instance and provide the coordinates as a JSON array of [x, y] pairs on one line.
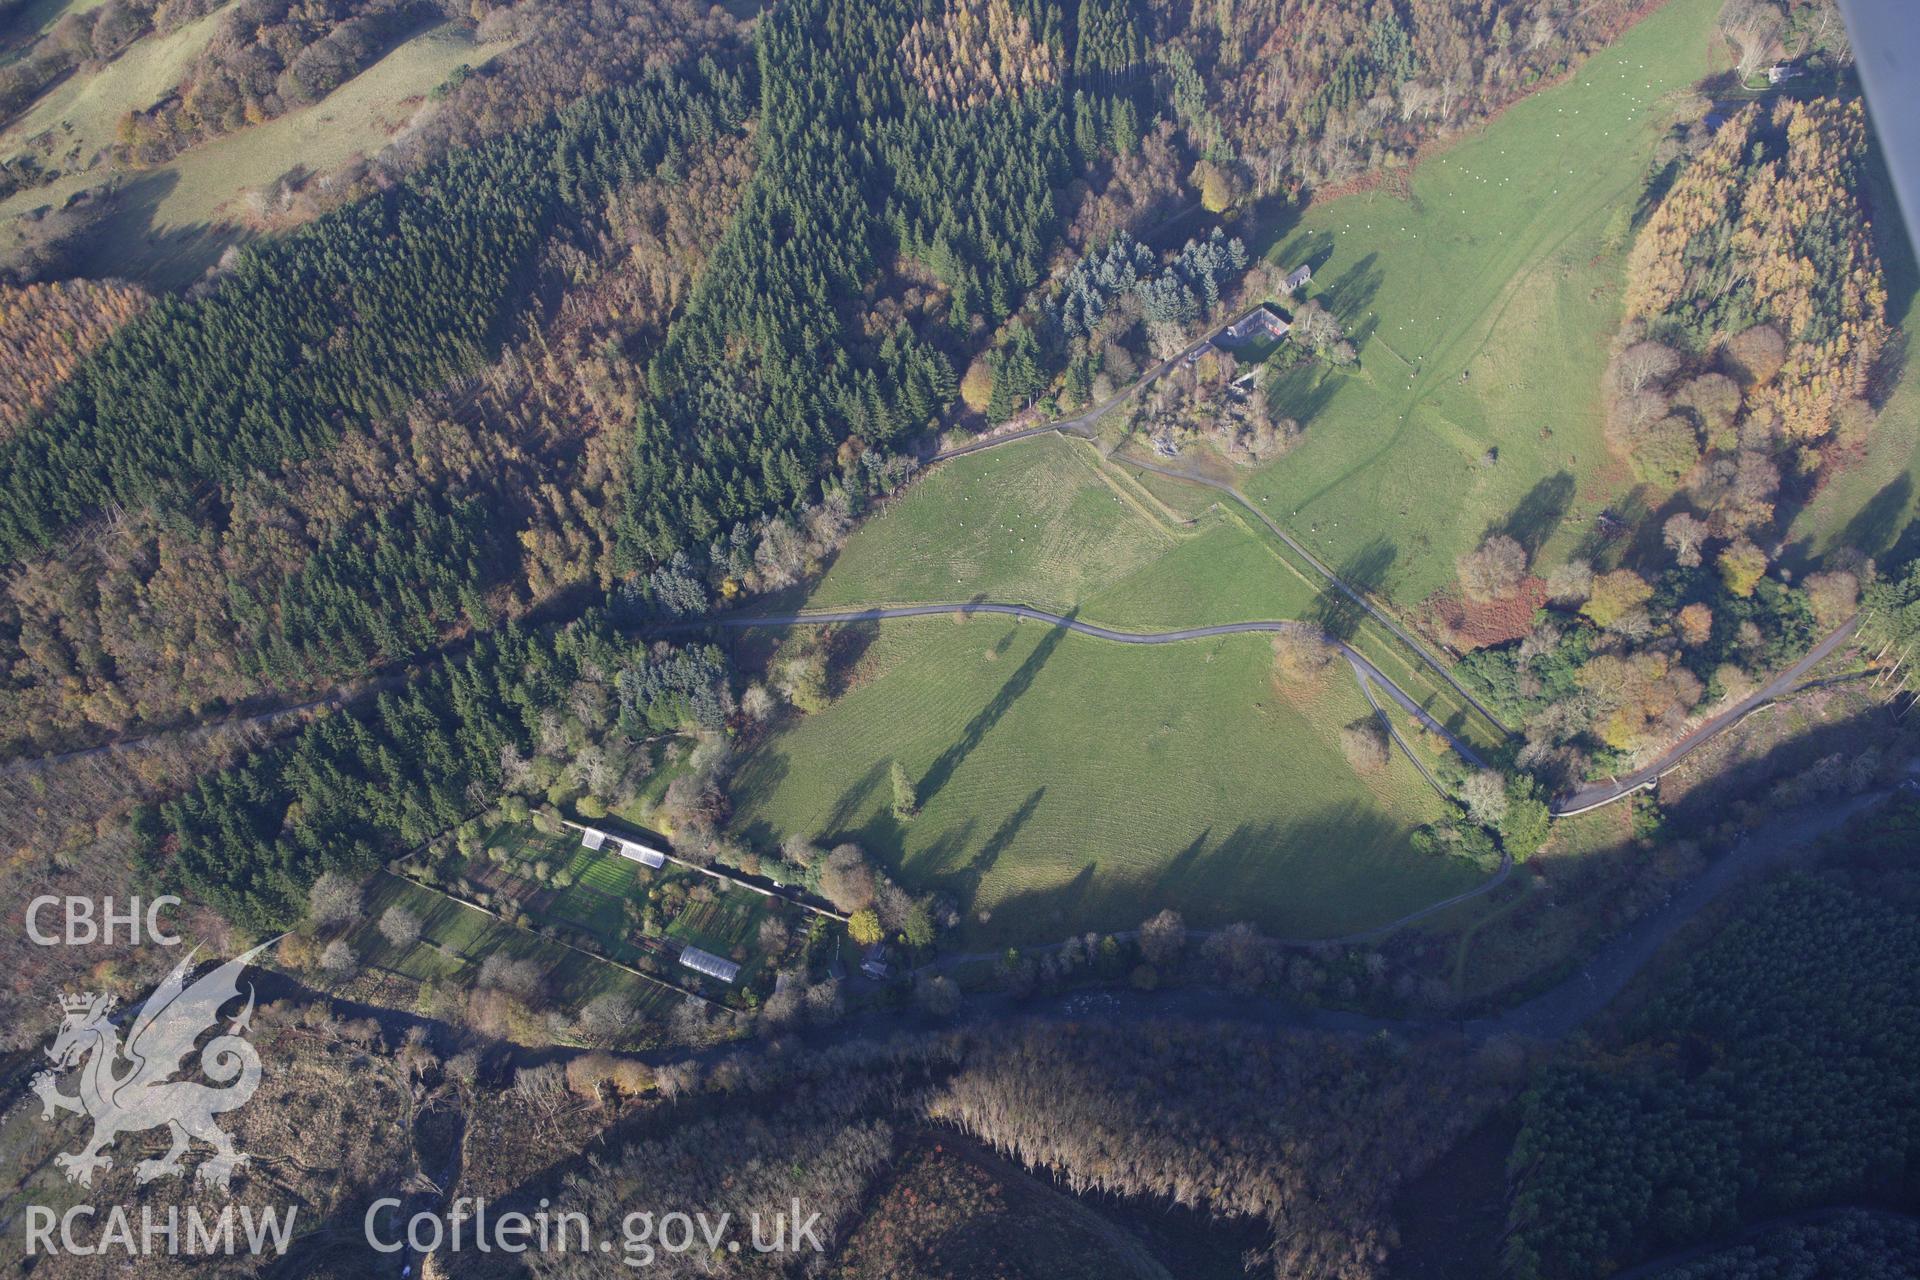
[[1069, 783], [1495, 268]]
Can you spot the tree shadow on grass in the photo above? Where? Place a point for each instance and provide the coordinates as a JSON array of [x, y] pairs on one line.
[[125, 238], [1182, 862], [1311, 249], [845, 645], [1877, 526], [855, 797], [1352, 292], [1337, 613], [988, 716], [964, 882], [1607, 539], [1233, 879], [1039, 916], [1302, 391], [1533, 522]]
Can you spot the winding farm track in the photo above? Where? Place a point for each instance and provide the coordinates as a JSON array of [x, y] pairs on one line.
[[1082, 425], [1584, 800], [1364, 671], [1786, 682]]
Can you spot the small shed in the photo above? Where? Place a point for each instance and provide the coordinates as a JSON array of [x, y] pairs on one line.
[[1780, 71], [1299, 277], [641, 854], [712, 965]]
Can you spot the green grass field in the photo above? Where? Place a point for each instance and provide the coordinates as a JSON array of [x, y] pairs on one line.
[[85, 108], [1047, 523], [1071, 783], [1493, 268], [1074, 783]]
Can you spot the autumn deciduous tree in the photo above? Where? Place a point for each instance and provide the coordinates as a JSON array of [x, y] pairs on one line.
[[1365, 743], [46, 330], [1741, 567], [1637, 696], [1494, 571], [1834, 595], [863, 926], [1162, 938], [1614, 596], [1303, 652], [1695, 624], [845, 878], [976, 386]]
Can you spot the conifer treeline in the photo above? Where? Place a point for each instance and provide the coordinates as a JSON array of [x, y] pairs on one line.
[[764, 376], [47, 330], [348, 318], [356, 788]]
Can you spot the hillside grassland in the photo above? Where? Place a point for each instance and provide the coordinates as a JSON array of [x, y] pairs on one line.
[[169, 223], [1483, 302], [84, 109], [1069, 783], [1047, 522]]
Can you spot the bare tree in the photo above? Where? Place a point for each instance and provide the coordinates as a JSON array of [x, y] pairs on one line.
[[399, 926], [1495, 571], [1365, 744], [1570, 583], [333, 900], [1642, 365], [1485, 795], [338, 958], [1685, 533], [1162, 938], [1753, 27]]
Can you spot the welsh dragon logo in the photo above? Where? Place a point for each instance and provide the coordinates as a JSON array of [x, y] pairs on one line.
[[130, 1088]]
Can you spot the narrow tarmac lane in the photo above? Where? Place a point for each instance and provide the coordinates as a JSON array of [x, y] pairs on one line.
[[1363, 670]]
